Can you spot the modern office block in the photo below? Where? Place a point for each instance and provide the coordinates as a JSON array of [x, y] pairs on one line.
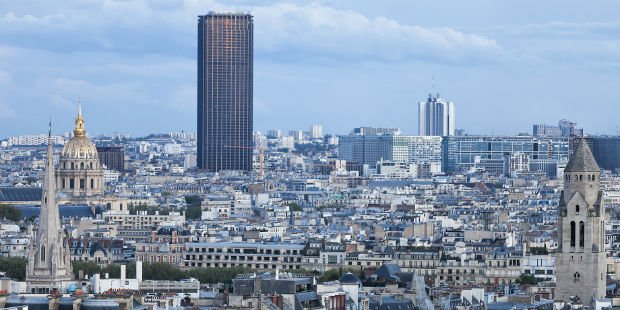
[[225, 91], [113, 157], [372, 148], [461, 153]]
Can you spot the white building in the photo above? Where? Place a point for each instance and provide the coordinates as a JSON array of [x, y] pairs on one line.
[[316, 132], [34, 140], [287, 142], [172, 148], [190, 161], [436, 117]]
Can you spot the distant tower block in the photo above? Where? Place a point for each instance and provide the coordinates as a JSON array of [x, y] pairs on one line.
[[581, 260]]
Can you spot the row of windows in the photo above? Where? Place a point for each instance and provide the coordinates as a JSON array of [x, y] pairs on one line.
[[71, 184], [74, 166], [579, 177]]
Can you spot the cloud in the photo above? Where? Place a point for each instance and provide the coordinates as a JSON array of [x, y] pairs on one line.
[[297, 30], [318, 31]]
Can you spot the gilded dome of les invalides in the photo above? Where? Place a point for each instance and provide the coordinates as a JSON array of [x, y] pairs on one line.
[[79, 147], [80, 174]]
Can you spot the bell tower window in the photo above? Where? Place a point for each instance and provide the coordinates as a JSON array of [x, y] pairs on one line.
[[572, 233], [581, 234]]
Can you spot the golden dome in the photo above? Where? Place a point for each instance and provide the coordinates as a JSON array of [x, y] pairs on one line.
[[79, 147]]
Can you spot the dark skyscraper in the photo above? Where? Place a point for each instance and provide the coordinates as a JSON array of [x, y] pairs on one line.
[[225, 91]]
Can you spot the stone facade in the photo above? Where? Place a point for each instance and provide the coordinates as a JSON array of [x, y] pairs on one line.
[[80, 176], [581, 260]]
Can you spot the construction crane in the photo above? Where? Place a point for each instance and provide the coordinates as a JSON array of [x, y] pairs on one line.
[[260, 156]]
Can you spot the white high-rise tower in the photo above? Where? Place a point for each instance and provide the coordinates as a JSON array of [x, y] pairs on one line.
[[436, 117], [49, 264]]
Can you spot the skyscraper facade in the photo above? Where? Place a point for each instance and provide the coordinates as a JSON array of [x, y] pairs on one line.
[[225, 91], [436, 117]]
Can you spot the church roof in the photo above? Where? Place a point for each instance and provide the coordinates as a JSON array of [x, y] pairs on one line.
[[582, 160], [20, 194]]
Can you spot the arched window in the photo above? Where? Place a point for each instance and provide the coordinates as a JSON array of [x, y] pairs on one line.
[[593, 177], [42, 253], [581, 234], [581, 177], [91, 165], [72, 166], [572, 233], [92, 183], [81, 165], [577, 209]]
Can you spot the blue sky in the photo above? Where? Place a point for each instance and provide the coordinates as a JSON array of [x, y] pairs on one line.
[[340, 63]]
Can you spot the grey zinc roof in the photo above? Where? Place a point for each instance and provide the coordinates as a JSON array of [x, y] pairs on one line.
[[582, 159], [20, 193]]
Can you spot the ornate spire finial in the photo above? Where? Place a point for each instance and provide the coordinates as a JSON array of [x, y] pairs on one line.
[[79, 130], [79, 108]]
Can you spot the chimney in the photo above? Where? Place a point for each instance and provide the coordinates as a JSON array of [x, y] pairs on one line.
[[139, 271], [123, 275]]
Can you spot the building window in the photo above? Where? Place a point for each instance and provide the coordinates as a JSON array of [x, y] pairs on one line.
[[581, 234], [43, 253], [572, 233], [92, 183], [72, 183], [81, 183], [577, 209]]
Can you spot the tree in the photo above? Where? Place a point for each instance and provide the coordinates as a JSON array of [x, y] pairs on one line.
[[527, 279], [295, 207], [10, 213], [15, 267], [334, 274], [89, 268], [194, 207]]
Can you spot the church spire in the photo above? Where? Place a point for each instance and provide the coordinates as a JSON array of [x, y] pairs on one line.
[[49, 263], [582, 159]]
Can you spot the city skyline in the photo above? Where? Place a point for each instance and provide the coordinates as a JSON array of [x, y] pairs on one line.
[[328, 56]]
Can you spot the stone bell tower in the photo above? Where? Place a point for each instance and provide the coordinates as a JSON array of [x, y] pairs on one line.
[[581, 261]]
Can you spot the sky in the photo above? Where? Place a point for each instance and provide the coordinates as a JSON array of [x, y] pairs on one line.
[[340, 63]]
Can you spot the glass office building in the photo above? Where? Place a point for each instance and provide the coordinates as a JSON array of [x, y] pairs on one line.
[[460, 153], [606, 151], [369, 149], [225, 91]]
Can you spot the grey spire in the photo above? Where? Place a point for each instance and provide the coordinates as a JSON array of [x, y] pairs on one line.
[[49, 264], [582, 159]]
